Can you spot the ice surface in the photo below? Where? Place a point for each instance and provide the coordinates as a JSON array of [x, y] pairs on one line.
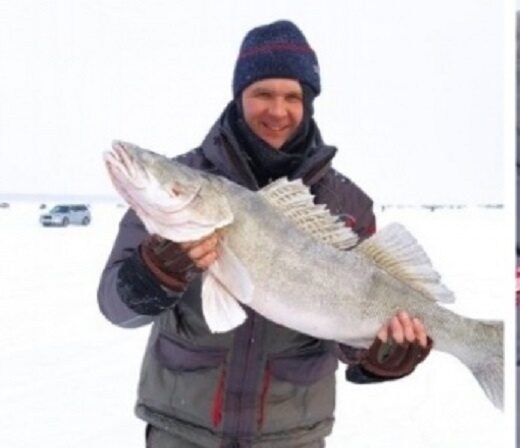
[[69, 377]]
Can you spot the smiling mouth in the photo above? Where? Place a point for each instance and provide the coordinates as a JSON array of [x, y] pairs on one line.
[[275, 129]]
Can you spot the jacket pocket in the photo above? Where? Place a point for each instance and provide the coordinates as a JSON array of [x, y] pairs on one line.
[[297, 391], [186, 382], [176, 356]]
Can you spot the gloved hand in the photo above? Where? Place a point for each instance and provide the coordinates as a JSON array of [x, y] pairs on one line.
[[392, 360], [175, 264], [398, 348], [168, 262]]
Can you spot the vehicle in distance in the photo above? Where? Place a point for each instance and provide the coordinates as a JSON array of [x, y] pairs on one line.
[[63, 215]]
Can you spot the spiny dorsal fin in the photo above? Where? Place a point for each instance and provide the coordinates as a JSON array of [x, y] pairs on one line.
[[397, 252], [295, 201]]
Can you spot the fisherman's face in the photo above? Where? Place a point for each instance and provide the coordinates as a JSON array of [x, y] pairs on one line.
[[273, 109]]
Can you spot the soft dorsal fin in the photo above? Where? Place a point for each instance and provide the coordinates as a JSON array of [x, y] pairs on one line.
[[295, 201], [397, 252]]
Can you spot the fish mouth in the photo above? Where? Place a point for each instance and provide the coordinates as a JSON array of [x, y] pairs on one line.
[[123, 167], [141, 190]]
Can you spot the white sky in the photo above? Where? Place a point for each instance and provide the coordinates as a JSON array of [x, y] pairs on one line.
[[413, 90]]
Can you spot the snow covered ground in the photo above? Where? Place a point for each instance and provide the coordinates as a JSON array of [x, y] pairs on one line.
[[68, 377]]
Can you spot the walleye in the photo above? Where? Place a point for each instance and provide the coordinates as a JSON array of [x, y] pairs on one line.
[[293, 262]]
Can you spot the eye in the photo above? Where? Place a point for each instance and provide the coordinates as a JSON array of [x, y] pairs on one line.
[[294, 98], [263, 94]]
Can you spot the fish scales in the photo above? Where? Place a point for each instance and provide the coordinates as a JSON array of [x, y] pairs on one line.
[[325, 284], [338, 295]]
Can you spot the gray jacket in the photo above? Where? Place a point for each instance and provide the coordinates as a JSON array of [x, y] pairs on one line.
[[261, 384]]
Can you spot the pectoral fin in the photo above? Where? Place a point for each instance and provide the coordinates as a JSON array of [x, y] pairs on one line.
[[225, 284], [221, 310]]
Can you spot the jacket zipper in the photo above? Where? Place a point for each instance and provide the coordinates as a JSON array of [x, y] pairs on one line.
[[250, 341]]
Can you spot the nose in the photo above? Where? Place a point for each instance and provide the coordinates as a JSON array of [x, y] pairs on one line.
[[277, 108]]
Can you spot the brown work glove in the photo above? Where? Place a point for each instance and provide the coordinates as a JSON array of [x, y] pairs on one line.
[[392, 360], [168, 262]]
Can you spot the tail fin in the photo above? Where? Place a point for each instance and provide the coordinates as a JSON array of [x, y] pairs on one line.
[[489, 371]]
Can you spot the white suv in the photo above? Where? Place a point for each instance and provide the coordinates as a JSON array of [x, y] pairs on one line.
[[63, 215]]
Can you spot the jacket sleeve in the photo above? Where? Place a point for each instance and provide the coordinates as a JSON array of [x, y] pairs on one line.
[[364, 225], [128, 293], [345, 199]]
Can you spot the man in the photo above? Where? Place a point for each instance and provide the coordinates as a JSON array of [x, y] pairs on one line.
[[262, 384]]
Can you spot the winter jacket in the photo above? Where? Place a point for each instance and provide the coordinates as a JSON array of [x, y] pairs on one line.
[[260, 384]]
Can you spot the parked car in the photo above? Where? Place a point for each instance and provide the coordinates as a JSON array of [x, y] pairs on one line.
[[63, 215]]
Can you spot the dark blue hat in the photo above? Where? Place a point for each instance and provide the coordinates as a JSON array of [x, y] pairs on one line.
[[276, 50]]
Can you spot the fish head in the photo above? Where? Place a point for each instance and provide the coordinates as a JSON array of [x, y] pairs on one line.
[[170, 198]]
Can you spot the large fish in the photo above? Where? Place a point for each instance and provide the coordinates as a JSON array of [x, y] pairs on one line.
[[286, 258]]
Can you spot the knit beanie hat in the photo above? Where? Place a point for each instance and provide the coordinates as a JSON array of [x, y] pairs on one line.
[[276, 50]]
